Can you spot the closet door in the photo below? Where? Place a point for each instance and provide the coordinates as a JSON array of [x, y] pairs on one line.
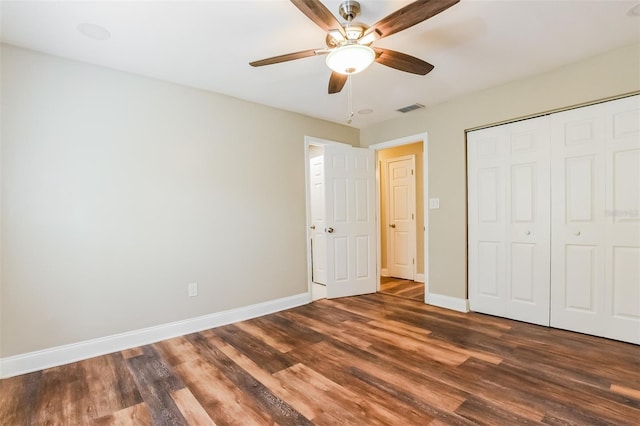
[[622, 220], [509, 244], [595, 271], [577, 266]]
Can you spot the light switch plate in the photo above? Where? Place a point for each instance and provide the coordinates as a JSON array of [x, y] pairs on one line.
[[192, 289], [434, 203]]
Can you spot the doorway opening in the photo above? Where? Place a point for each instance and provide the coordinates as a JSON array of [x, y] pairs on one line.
[[348, 238], [403, 217]]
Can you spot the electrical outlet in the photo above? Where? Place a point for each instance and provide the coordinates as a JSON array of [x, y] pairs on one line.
[[192, 289], [434, 203]]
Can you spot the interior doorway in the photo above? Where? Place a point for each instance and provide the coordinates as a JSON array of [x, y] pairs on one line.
[[416, 286], [403, 217]]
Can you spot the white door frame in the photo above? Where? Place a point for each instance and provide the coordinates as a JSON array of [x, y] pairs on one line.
[[420, 137], [308, 141]]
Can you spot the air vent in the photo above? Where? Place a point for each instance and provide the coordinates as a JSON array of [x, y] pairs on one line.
[[410, 108]]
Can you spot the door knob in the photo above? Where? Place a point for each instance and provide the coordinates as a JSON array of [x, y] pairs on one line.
[[527, 232], [330, 230], [313, 227], [577, 233], [393, 225]]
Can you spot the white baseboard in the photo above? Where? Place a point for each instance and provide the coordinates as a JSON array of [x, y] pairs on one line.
[[384, 272], [448, 302], [60, 355], [419, 278]]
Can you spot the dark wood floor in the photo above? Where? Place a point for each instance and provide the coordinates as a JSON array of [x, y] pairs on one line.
[[367, 360], [403, 288]]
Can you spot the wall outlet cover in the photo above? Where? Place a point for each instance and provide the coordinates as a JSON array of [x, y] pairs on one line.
[[434, 203]]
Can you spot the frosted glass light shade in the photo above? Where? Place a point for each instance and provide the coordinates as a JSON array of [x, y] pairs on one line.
[[350, 59]]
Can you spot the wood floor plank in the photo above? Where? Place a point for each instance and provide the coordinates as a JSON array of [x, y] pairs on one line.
[[337, 405], [437, 394], [623, 390], [274, 338], [19, 398], [271, 359], [336, 331], [156, 382], [483, 411], [110, 386], [434, 352], [224, 403], [191, 409], [402, 288], [63, 395], [177, 351], [132, 353], [135, 415], [297, 400], [264, 401], [372, 359]]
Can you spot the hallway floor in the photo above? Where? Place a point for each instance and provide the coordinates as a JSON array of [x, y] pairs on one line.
[[403, 288]]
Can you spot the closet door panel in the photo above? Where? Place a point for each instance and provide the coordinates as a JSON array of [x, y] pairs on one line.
[[577, 188], [487, 228], [622, 220], [527, 215]]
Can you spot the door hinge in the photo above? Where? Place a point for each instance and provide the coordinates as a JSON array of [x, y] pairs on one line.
[[413, 261], [412, 217], [411, 172]]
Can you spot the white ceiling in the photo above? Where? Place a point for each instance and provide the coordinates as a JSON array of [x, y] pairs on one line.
[[208, 44]]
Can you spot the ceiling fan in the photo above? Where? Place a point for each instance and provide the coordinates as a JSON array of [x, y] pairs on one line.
[[349, 46]]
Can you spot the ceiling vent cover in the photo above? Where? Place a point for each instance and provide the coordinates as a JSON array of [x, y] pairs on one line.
[[410, 108]]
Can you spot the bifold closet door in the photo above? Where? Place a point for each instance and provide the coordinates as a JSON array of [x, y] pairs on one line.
[[595, 273], [508, 187]]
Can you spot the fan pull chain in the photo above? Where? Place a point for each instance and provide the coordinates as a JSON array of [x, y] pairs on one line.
[[349, 100]]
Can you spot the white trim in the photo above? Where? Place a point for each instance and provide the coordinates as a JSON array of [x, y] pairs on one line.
[[384, 272], [448, 302], [419, 278], [425, 167], [38, 360]]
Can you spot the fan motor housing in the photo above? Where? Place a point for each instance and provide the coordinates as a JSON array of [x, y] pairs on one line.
[[349, 10]]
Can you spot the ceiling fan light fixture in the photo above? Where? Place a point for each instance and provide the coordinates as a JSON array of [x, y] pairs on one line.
[[350, 59]]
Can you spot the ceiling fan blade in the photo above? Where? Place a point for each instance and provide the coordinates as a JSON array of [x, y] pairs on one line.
[[402, 61], [336, 82], [319, 14], [408, 16], [287, 57]]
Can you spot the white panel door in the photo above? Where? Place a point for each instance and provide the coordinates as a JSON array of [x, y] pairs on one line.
[[509, 220], [577, 268], [622, 219], [401, 233], [318, 222], [596, 220], [350, 221], [528, 221], [486, 156]]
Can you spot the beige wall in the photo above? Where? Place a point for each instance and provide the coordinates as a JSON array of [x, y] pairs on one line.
[[118, 190], [399, 151], [614, 73]]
